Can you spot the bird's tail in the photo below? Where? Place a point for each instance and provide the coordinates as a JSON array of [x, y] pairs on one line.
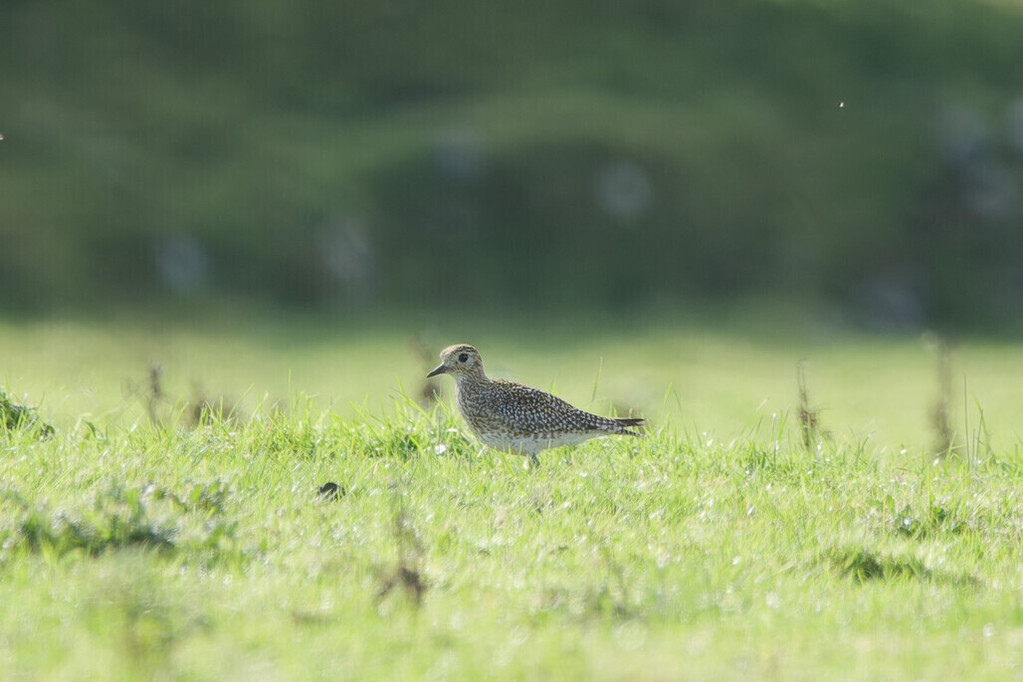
[[630, 421]]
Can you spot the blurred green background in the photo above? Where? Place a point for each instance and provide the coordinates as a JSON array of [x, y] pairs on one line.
[[501, 155]]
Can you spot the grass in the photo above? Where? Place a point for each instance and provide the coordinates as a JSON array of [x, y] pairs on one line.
[[216, 549]]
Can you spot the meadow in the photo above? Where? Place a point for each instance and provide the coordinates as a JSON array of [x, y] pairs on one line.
[[319, 517]]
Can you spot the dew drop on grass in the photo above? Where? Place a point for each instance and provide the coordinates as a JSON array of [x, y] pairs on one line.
[[630, 635], [518, 636], [988, 629]]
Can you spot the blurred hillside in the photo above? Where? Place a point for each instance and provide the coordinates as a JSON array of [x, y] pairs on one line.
[[592, 153]]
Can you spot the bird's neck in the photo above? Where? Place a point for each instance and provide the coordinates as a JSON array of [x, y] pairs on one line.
[[472, 379]]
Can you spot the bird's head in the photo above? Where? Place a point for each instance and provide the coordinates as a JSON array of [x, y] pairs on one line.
[[459, 360]]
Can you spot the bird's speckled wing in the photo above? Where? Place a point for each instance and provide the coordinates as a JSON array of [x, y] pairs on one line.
[[520, 410]]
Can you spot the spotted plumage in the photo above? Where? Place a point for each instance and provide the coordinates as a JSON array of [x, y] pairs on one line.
[[516, 418]]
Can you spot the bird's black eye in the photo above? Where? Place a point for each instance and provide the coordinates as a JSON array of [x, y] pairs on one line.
[[464, 357]]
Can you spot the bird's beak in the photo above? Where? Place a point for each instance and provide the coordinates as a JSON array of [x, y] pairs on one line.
[[440, 369]]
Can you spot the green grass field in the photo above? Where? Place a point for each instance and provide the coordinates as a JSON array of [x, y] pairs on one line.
[[719, 547]]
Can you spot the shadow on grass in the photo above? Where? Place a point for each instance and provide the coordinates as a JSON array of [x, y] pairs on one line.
[[15, 417], [122, 517], [863, 566]]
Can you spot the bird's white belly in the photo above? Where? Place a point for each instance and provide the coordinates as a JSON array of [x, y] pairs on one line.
[[532, 444]]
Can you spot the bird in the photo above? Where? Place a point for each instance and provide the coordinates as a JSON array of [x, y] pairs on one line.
[[515, 418]]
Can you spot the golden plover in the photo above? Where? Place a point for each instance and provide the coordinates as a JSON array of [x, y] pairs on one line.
[[515, 418]]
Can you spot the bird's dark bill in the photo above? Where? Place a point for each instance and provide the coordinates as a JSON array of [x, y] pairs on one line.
[[439, 370]]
